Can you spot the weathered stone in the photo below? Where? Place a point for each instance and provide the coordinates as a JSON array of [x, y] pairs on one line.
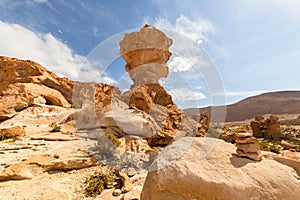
[[228, 176], [130, 121], [289, 146], [267, 129], [248, 148], [275, 131], [132, 195], [146, 53], [244, 135], [248, 140], [252, 155], [136, 144], [257, 129], [117, 192], [144, 97], [11, 132], [127, 185]]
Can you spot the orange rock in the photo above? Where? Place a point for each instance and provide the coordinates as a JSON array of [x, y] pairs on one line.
[[11, 132]]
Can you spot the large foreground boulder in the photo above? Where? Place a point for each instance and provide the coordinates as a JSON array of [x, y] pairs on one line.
[[207, 168]]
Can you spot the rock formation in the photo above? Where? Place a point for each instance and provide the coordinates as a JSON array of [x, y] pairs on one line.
[[26, 83], [219, 175], [204, 123], [146, 53], [268, 129], [247, 146]]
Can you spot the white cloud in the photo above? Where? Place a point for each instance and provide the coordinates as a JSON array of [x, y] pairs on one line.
[[17, 41], [178, 64], [245, 93], [187, 35], [197, 29], [186, 94]]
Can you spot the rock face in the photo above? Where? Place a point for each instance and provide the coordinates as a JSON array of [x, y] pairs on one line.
[[146, 53], [268, 129], [219, 175], [248, 146], [25, 83]]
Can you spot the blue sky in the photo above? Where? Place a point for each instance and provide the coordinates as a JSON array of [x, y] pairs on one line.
[[253, 44]]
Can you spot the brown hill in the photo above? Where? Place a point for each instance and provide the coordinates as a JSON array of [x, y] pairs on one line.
[[283, 102]]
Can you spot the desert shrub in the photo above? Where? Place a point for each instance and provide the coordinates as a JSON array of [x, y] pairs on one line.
[[74, 104], [115, 140], [95, 184], [9, 140], [55, 127], [213, 132], [264, 146], [272, 146], [275, 149], [295, 142]]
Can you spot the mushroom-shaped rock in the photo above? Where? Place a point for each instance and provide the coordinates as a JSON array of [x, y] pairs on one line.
[[146, 53]]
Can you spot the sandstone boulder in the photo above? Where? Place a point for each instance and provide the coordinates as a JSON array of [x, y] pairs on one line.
[[11, 132], [130, 122], [218, 175]]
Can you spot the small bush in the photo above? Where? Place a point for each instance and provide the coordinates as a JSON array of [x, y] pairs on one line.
[[9, 140], [74, 104], [95, 184], [115, 140], [55, 127], [275, 149], [212, 132], [272, 145]]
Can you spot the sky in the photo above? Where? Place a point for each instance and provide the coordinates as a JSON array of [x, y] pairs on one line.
[[233, 47]]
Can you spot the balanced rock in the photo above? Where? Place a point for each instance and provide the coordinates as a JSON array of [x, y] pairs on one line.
[[248, 146], [146, 53]]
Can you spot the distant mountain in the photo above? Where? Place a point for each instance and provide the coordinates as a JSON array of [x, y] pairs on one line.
[[283, 102]]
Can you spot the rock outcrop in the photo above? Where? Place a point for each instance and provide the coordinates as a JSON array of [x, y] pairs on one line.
[[248, 146], [219, 175], [204, 123], [25, 83], [150, 111], [268, 129]]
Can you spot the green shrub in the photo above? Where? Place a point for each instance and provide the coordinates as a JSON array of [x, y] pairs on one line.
[[115, 140], [55, 127], [212, 132], [272, 145], [9, 140], [74, 104], [95, 184]]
